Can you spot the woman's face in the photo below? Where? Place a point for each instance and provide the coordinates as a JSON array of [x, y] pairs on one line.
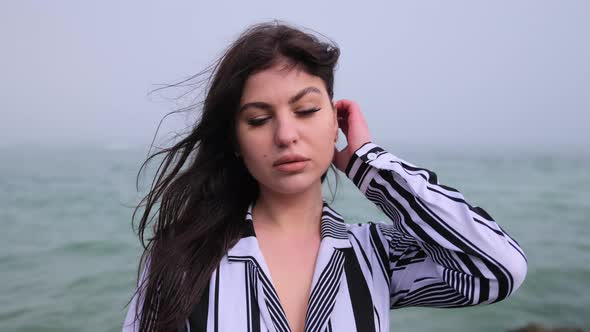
[[286, 113]]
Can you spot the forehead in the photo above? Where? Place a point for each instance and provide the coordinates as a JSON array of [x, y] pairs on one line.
[[278, 83]]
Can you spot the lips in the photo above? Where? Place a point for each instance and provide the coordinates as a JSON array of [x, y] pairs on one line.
[[289, 159]]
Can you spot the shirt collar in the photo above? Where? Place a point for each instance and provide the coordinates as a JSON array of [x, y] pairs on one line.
[[333, 232]]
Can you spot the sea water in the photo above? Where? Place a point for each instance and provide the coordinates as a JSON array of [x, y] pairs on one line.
[[68, 255]]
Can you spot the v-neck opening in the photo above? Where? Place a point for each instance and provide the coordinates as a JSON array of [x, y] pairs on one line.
[[327, 272]]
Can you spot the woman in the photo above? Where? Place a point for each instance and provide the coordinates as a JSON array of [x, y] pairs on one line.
[[243, 240]]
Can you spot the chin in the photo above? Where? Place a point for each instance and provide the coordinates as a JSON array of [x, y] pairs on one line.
[[294, 184]]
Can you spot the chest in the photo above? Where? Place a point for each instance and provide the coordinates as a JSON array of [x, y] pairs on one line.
[[291, 265]]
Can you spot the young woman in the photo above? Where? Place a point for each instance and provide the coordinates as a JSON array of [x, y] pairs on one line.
[[243, 240]]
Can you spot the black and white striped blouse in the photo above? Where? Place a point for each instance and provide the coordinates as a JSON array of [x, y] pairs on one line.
[[437, 251]]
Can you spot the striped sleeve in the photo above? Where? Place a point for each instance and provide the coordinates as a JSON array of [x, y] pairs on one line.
[[441, 251]]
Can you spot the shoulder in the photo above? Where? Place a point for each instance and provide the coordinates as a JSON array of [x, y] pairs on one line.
[[359, 227], [365, 232], [371, 233]]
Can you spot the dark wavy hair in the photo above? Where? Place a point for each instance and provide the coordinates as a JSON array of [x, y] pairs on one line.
[[202, 188]]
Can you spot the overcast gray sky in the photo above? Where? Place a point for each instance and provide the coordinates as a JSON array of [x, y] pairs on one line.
[[432, 72]]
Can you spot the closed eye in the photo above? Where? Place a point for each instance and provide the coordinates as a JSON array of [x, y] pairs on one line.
[[308, 112], [257, 122], [260, 121]]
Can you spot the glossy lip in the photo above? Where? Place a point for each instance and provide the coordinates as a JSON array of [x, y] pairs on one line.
[[289, 159]]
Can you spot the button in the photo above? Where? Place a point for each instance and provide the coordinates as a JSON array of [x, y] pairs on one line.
[[372, 156]]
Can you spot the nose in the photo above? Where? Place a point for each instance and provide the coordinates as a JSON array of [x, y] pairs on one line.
[[286, 131]]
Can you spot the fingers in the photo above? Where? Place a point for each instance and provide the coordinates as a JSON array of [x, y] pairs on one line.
[[344, 109], [346, 105], [352, 123]]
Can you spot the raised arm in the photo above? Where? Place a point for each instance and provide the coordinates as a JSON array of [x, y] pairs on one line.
[[440, 250]]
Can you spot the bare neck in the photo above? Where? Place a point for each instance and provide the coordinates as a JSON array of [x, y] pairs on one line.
[[297, 214]]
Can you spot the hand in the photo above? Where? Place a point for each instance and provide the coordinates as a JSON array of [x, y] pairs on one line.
[[355, 128]]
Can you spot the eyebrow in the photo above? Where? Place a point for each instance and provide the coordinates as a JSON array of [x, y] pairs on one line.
[[292, 100]]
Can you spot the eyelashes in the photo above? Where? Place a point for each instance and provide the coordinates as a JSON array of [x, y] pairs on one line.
[[257, 122], [309, 111], [260, 121]]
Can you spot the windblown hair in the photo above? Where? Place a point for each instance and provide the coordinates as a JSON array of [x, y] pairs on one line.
[[202, 188]]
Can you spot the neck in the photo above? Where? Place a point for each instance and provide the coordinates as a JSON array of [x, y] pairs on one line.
[[294, 214]]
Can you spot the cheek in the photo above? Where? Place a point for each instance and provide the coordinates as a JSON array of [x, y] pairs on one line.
[[325, 132], [324, 143], [254, 153]]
